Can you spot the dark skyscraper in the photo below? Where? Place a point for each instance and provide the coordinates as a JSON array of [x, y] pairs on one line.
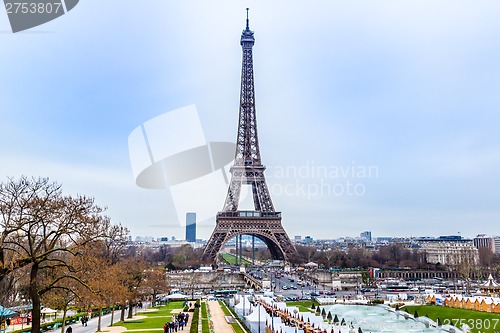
[[191, 227]]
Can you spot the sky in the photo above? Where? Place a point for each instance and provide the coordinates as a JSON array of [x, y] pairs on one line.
[[372, 115]]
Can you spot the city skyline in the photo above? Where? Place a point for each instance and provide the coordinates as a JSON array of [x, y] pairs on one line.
[[372, 116]]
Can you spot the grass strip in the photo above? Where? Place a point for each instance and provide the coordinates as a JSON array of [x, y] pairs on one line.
[[238, 326], [194, 321], [205, 325]]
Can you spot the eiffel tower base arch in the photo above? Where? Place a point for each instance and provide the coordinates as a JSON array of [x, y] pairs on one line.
[[265, 226]]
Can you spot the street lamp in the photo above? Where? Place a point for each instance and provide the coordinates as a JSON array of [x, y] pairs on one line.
[[258, 309], [243, 305], [296, 322], [272, 316]]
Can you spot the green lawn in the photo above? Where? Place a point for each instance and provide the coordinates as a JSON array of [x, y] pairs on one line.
[[478, 321], [231, 259], [154, 321], [303, 306]]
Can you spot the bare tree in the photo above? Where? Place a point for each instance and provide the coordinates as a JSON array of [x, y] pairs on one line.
[[41, 230], [466, 265]]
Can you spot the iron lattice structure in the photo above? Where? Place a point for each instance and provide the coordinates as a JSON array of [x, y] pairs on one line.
[[264, 222]]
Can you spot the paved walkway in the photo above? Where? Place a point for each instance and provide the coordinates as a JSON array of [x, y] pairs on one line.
[[218, 318]]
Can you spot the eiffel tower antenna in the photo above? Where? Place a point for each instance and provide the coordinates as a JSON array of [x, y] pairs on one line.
[[263, 222], [247, 19]]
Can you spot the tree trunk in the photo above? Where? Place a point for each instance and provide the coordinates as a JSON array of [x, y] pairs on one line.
[[112, 314], [99, 320], [122, 313], [35, 299], [130, 309], [63, 326]]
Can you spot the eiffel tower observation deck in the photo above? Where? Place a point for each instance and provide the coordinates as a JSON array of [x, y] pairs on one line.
[[263, 222]]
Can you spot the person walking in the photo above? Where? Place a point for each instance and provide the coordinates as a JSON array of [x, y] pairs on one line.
[[69, 329]]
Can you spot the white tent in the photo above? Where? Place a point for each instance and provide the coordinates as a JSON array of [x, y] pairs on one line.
[[490, 283], [254, 316], [176, 296], [243, 302], [48, 314], [280, 305], [311, 265], [310, 317]]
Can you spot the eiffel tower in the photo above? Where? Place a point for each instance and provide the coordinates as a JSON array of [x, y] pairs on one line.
[[263, 222]]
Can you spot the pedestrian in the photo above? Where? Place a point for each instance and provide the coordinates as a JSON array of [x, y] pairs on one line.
[[69, 329]]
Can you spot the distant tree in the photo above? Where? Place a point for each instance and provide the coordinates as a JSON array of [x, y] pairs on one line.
[[466, 266], [329, 255], [156, 282], [133, 274], [99, 283]]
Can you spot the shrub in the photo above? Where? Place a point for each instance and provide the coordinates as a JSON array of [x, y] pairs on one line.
[[194, 321]]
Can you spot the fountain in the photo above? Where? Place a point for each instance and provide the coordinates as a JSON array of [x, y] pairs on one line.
[[385, 319]]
